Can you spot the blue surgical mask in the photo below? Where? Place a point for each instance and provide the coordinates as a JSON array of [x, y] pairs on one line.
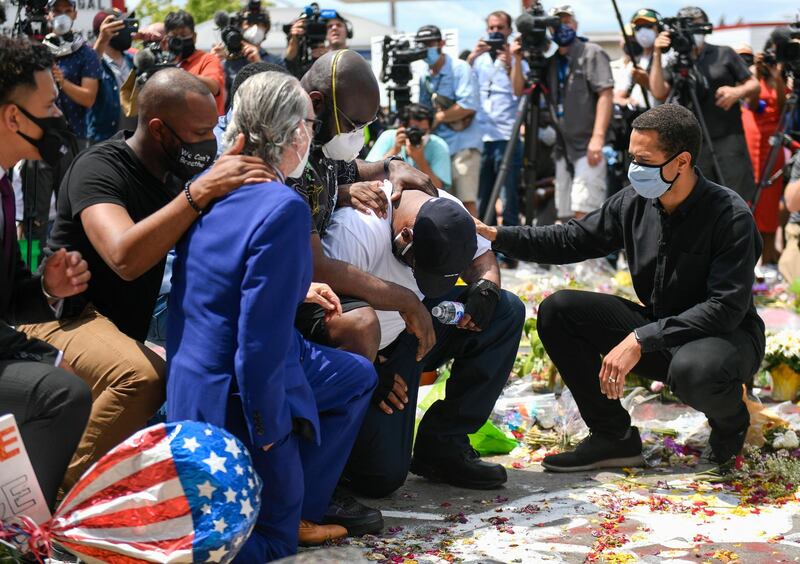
[[564, 35], [648, 181], [432, 56]]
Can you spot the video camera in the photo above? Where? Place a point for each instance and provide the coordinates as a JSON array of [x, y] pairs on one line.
[[34, 23], [316, 29], [682, 30], [533, 26], [150, 59], [785, 48], [231, 25], [396, 59]]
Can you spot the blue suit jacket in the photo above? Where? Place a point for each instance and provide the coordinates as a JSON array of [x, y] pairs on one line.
[[238, 277]]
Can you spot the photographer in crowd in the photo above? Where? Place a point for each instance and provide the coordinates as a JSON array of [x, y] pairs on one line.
[[581, 84], [501, 74], [124, 204], [255, 25], [633, 86], [451, 89], [179, 39], [77, 70], [761, 119], [698, 329], [49, 403], [721, 81], [415, 144], [114, 38], [337, 32]]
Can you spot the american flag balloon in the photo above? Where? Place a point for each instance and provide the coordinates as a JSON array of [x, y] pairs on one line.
[[175, 492]]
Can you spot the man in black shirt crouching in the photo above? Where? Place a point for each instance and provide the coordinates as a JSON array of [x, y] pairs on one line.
[[123, 204], [692, 246]]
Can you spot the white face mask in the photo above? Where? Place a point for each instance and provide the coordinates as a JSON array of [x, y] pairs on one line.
[[646, 37], [254, 35], [298, 170], [699, 40], [62, 23], [345, 146]]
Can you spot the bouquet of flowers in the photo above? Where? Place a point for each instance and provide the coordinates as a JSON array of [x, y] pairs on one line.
[[782, 360]]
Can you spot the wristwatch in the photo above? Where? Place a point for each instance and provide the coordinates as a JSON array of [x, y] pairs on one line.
[[389, 160]]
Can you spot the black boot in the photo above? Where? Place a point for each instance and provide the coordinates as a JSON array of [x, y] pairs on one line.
[[727, 438], [599, 451], [463, 470], [357, 518]]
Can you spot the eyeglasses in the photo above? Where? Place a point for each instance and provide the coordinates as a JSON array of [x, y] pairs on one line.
[[403, 253], [353, 124], [315, 124]]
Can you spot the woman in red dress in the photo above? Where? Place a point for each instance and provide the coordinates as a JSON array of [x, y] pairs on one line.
[[760, 119]]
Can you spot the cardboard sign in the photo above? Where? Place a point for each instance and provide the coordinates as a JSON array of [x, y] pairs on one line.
[[20, 493]]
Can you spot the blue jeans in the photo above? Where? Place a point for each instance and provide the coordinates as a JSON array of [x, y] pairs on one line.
[[493, 152]]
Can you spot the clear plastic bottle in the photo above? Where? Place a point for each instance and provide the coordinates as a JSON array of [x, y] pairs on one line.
[[448, 313]]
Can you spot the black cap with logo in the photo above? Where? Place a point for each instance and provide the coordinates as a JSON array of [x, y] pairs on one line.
[[445, 243], [428, 33]]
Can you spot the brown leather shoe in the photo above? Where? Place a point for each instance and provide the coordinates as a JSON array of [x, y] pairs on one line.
[[312, 534]]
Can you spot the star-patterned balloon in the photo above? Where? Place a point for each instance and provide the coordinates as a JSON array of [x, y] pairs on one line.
[[178, 492]]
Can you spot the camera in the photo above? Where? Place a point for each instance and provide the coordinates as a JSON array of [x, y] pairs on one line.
[[496, 42], [415, 135], [682, 30], [34, 24], [533, 26], [785, 48], [316, 24], [231, 26], [396, 62]]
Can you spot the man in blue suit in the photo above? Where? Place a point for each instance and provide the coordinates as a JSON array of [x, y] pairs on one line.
[[235, 359]]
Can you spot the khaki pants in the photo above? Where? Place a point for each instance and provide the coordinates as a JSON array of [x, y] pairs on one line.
[[466, 169], [789, 263], [126, 379]]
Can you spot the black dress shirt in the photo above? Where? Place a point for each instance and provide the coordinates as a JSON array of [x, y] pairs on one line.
[[692, 269]]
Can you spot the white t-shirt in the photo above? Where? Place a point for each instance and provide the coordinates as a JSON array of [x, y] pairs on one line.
[[365, 241]]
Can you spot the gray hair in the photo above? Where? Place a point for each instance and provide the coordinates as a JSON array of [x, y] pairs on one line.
[[266, 109]]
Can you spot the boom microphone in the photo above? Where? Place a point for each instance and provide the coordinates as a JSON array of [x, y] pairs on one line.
[[221, 19], [144, 60]]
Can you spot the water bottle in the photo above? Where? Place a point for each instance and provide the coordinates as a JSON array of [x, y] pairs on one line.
[[448, 313]]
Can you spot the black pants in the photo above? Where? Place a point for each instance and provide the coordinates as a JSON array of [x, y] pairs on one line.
[[482, 361], [51, 407], [734, 160], [576, 328]]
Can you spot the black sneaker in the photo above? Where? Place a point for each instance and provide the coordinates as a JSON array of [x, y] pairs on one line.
[[726, 444], [357, 518], [599, 451], [465, 470], [59, 554]]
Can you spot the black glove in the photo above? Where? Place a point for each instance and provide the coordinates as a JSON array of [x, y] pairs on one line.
[[480, 301]]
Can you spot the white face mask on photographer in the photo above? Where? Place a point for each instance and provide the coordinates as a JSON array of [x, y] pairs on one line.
[[699, 40], [646, 37], [343, 146], [62, 24], [254, 35]]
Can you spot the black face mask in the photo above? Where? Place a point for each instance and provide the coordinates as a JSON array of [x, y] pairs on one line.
[[192, 158], [181, 47], [55, 140], [122, 40]]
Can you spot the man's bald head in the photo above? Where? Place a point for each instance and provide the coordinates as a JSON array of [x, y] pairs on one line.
[[169, 93], [356, 89]]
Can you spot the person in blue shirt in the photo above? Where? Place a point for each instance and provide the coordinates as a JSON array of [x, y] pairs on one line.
[[77, 70], [451, 90], [235, 358], [499, 92], [429, 155]]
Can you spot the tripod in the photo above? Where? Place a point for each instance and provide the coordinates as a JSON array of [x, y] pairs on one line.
[[683, 93], [528, 110], [777, 141]]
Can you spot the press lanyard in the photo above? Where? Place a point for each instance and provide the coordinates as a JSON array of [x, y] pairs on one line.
[[562, 65]]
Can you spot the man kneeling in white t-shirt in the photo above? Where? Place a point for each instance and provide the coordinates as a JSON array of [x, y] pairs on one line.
[[424, 244]]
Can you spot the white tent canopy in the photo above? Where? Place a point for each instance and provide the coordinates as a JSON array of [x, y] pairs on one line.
[[363, 30]]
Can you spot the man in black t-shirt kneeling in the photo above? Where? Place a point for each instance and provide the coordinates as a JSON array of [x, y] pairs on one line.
[[123, 204]]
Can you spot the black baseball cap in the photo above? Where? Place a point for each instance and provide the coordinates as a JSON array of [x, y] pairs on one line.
[[445, 243], [428, 33]]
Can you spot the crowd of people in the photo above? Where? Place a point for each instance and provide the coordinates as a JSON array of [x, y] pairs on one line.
[[301, 277]]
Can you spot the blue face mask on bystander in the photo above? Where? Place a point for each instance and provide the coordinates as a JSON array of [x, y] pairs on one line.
[[564, 35], [432, 56], [648, 181]]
